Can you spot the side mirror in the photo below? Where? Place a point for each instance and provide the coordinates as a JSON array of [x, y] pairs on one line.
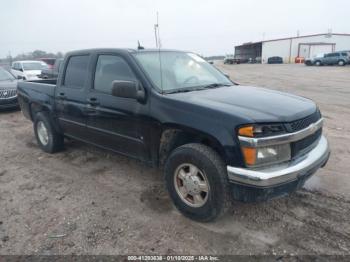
[[128, 89]]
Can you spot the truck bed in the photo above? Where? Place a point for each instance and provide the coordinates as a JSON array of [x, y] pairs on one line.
[[37, 93]]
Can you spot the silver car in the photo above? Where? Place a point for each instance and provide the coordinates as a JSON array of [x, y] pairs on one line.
[[336, 58]]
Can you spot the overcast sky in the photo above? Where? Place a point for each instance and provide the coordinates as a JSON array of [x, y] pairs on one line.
[[205, 26]]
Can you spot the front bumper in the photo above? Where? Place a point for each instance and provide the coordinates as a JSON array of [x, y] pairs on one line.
[[9, 103], [261, 184]]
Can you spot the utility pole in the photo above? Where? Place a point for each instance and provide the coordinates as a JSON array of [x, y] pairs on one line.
[[10, 58]]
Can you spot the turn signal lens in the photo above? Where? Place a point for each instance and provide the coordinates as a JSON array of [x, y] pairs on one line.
[[261, 130], [246, 131], [249, 155]]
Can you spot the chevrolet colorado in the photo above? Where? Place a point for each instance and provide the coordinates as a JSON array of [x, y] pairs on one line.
[[216, 140]]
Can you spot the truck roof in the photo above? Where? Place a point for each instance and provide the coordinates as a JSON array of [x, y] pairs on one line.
[[126, 50]]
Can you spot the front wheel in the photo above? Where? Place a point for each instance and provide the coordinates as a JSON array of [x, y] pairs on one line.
[[318, 63], [196, 179], [48, 138]]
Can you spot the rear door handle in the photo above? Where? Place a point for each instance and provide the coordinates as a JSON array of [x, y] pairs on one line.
[[93, 101], [62, 96]]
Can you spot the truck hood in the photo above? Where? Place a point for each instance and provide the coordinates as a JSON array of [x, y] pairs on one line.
[[252, 103]]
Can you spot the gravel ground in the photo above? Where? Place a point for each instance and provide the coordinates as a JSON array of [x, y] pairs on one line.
[[88, 201]]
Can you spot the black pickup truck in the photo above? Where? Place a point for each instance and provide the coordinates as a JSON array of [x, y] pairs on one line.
[[216, 140]]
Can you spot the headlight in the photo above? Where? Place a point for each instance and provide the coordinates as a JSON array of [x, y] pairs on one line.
[[260, 156]]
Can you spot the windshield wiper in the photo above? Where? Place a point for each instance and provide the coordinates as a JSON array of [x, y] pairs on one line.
[[215, 85], [183, 90], [197, 88]]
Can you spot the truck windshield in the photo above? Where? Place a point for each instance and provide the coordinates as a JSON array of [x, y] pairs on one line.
[[173, 71], [34, 66], [5, 76]]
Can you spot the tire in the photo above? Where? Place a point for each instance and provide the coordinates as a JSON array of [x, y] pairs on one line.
[[49, 140], [213, 171], [318, 63], [341, 63]]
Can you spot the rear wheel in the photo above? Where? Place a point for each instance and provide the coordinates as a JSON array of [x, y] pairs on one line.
[[318, 63], [196, 179], [49, 140], [341, 63]]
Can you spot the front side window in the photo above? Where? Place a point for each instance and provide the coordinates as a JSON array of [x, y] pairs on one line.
[[175, 71], [76, 71], [108, 69], [16, 66]]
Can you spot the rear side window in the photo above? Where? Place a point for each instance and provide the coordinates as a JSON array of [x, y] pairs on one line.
[[76, 71], [110, 68], [344, 54]]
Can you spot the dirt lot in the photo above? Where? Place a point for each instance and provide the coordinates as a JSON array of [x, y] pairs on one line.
[[88, 201]]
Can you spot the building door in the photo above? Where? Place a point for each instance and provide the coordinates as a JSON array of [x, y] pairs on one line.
[[320, 49]]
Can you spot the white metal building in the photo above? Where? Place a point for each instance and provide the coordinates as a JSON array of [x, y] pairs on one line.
[[292, 47]]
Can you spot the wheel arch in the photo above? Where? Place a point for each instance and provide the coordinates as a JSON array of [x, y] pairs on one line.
[[36, 108], [174, 135]]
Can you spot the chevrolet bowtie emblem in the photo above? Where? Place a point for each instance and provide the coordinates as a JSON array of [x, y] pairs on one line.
[[312, 127]]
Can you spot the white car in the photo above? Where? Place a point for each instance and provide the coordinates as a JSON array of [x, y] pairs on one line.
[[28, 70]]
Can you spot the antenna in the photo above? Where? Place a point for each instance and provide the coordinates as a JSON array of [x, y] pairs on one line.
[[156, 32], [158, 46], [139, 46]]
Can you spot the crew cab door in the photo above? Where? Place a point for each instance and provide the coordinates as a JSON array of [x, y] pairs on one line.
[[115, 122], [70, 96]]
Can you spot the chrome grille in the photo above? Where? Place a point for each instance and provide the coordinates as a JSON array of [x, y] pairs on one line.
[[302, 146], [7, 94], [303, 123]]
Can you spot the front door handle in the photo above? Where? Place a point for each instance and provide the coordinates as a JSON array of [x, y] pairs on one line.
[[93, 101]]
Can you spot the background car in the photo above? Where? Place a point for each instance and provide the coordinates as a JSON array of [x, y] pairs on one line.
[[336, 58], [49, 61], [310, 61], [229, 59], [52, 72], [275, 60], [28, 70], [8, 90]]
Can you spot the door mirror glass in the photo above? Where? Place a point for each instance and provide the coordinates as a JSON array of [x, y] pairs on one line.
[[128, 89]]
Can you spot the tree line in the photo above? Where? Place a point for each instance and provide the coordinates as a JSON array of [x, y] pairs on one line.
[[32, 56]]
